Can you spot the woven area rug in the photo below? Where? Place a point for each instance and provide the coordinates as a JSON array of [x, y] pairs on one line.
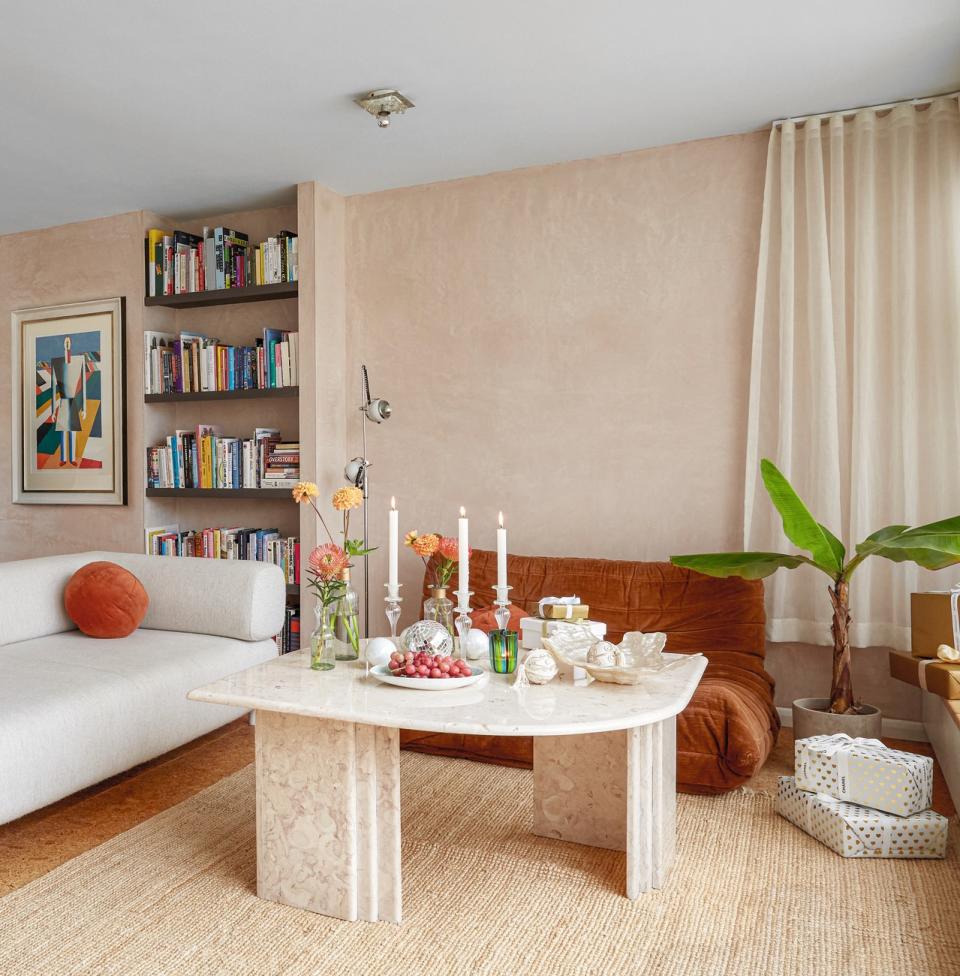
[[750, 894]]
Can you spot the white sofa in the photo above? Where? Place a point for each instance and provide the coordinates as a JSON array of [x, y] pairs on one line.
[[75, 710]]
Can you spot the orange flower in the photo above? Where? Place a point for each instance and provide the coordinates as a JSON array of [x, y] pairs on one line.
[[425, 545], [347, 498], [328, 560], [304, 491]]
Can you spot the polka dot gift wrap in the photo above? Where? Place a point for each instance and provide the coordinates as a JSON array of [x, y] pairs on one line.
[[864, 771], [856, 831]]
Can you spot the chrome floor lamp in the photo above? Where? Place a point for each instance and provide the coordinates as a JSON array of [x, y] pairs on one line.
[[357, 472]]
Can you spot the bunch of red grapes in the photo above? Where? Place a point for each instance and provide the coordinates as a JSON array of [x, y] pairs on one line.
[[423, 665]]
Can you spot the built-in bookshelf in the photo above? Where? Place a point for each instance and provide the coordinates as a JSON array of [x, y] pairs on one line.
[[225, 296], [241, 317]]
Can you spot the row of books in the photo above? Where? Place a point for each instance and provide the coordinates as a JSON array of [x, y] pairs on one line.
[[289, 638], [204, 458], [260, 545], [192, 363], [179, 263]]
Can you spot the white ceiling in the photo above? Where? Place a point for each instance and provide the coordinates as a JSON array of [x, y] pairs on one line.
[[194, 107]]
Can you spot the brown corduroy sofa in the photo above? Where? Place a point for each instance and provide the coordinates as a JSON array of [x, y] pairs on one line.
[[727, 731]]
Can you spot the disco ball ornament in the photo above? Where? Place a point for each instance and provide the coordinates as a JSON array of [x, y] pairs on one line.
[[427, 636]]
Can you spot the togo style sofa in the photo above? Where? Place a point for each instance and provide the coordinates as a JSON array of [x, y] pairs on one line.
[[75, 710], [727, 731]]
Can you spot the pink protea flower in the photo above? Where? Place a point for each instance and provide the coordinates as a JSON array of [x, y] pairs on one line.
[[328, 561], [449, 548]]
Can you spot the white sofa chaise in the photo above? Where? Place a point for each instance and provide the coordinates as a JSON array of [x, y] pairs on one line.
[[75, 710]]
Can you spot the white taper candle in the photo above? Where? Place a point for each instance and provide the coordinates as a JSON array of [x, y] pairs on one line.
[[501, 554], [393, 587], [463, 552]]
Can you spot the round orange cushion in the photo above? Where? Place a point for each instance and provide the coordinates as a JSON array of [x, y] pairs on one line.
[[105, 600]]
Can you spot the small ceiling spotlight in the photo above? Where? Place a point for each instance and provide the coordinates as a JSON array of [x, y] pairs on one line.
[[383, 103]]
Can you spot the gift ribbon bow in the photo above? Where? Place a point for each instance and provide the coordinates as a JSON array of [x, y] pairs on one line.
[[560, 601], [838, 748]]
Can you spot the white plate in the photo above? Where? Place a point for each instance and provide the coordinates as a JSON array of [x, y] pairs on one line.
[[382, 673]]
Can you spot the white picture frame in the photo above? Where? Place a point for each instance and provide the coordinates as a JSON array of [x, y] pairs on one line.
[[68, 407]]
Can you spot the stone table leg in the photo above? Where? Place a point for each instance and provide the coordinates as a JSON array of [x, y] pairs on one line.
[[328, 816], [615, 790]]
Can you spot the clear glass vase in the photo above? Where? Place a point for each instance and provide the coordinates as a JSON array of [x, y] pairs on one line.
[[346, 622], [439, 607], [322, 656]]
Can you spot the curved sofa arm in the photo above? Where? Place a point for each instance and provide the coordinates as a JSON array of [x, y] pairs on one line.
[[239, 598]]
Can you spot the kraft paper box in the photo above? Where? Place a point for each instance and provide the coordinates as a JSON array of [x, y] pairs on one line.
[[931, 623], [855, 831], [864, 771], [533, 629], [940, 677]]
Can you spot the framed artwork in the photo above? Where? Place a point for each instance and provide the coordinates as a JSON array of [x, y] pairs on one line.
[[68, 405]]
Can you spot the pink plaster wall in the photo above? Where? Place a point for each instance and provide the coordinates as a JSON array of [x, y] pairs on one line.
[[73, 263], [569, 344]]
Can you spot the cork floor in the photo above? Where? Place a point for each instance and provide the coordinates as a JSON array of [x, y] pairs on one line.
[[41, 841]]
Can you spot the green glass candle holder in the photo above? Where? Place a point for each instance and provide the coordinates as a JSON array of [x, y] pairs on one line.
[[503, 651]]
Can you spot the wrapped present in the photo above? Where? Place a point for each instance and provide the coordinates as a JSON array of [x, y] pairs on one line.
[[856, 831], [533, 629], [563, 608], [864, 771], [934, 620], [930, 674]]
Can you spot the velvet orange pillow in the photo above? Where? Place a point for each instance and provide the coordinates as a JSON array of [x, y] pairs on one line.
[[484, 619], [105, 600]]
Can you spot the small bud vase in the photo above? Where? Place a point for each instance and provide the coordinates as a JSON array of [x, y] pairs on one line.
[[439, 607], [322, 656], [346, 622]]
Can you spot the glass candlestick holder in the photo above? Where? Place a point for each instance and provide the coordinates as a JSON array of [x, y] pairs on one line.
[[502, 601], [463, 623], [393, 601], [503, 651]]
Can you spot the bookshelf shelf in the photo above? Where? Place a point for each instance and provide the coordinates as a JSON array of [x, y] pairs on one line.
[[278, 494], [293, 589], [252, 394], [226, 296]]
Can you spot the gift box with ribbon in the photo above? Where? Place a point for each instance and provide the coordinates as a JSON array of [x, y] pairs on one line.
[[562, 608], [864, 771], [930, 674], [934, 620], [857, 831], [533, 629]]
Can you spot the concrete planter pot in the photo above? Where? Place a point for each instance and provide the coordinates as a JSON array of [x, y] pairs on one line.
[[810, 717]]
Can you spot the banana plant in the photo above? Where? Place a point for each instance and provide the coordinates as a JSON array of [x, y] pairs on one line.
[[932, 546]]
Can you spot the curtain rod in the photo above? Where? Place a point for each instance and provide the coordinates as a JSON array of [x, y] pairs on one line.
[[926, 100]]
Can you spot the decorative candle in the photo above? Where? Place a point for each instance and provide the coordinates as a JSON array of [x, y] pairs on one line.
[[463, 552], [393, 588], [501, 555]]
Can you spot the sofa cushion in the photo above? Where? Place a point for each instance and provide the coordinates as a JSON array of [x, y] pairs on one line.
[[105, 600], [75, 710]]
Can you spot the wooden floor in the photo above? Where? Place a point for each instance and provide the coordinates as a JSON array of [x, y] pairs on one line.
[[39, 842]]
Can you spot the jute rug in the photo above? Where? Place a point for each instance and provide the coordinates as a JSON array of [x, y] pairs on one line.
[[750, 894]]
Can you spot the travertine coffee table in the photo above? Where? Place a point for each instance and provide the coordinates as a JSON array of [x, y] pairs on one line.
[[328, 771]]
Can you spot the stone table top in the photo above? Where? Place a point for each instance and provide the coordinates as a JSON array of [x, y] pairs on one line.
[[492, 706]]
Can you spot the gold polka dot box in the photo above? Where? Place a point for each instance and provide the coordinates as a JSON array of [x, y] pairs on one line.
[[864, 771], [855, 831]]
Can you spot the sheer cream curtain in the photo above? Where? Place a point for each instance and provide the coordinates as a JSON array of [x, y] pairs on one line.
[[855, 376]]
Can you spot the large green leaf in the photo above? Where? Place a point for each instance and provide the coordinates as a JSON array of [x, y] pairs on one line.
[[799, 526], [746, 565], [929, 546]]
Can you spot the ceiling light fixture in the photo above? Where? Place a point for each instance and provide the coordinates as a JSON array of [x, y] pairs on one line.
[[383, 103]]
